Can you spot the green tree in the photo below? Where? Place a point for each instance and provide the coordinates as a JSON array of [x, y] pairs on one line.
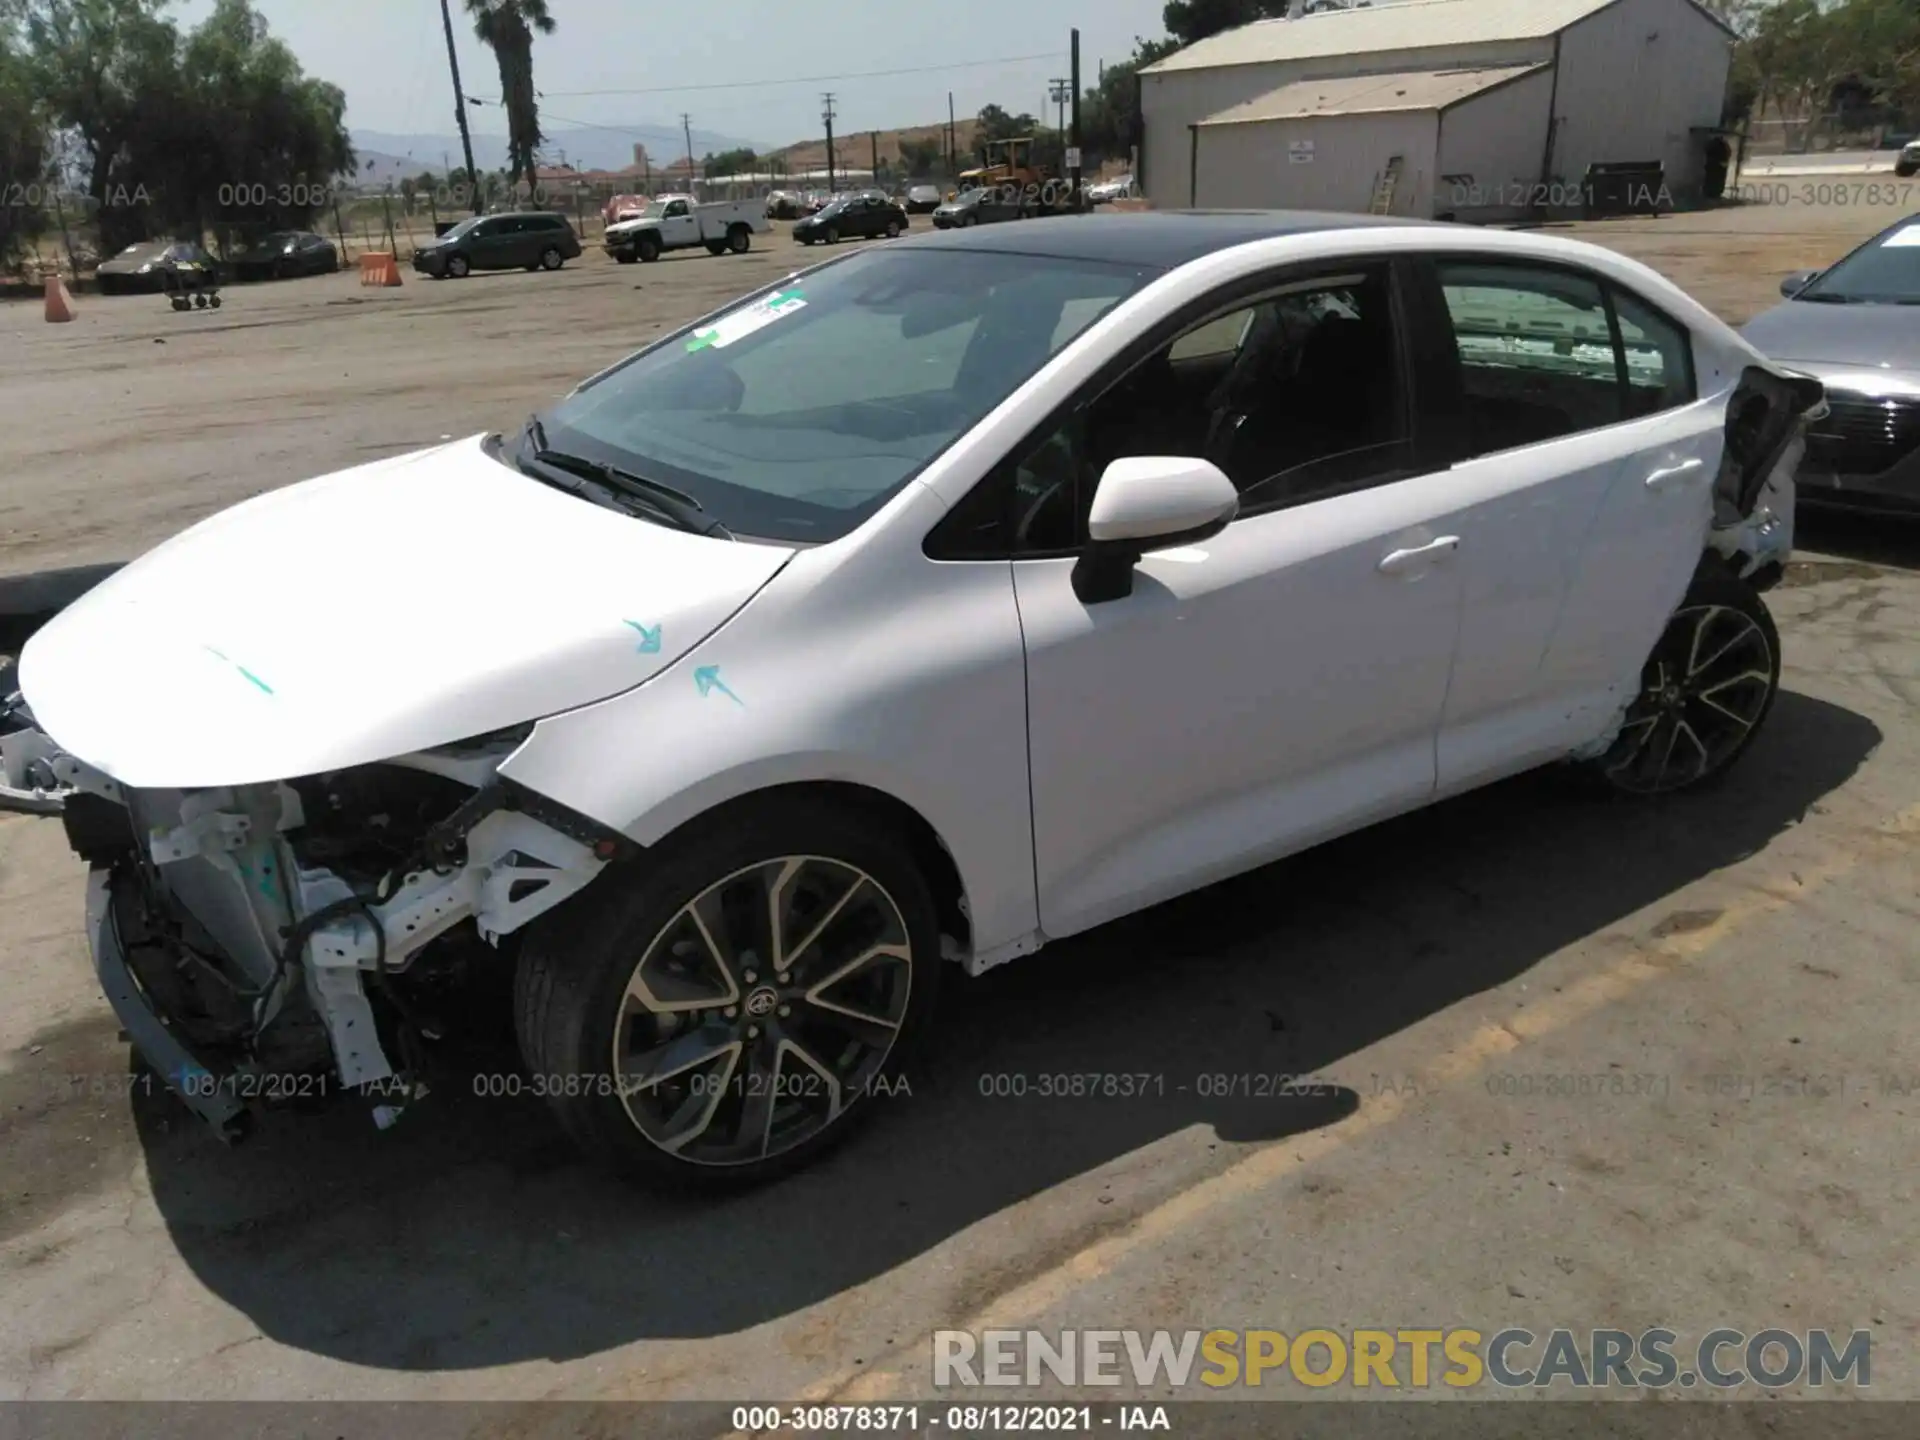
[[95, 65], [507, 28], [1188, 21], [996, 124], [1110, 111], [730, 162], [25, 151], [918, 158]]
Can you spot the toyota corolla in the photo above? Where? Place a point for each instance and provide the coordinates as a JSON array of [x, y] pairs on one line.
[[920, 610]]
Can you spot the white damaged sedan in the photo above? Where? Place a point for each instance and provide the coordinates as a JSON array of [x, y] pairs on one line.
[[949, 598]]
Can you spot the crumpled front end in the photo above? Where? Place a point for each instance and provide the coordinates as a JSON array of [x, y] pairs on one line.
[[291, 941]]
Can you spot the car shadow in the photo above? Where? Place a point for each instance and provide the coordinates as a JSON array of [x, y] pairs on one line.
[[470, 1235]]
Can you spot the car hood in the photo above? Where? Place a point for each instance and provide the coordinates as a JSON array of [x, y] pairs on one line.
[[405, 604], [629, 227], [1863, 337]]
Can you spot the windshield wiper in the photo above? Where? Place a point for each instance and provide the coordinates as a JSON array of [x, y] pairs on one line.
[[1824, 297], [661, 501]]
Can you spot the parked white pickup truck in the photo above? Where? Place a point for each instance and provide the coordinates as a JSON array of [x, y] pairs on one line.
[[676, 222]]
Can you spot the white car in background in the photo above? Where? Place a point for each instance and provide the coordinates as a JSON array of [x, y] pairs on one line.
[[926, 607]]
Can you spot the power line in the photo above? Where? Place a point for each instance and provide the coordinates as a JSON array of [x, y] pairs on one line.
[[804, 79]]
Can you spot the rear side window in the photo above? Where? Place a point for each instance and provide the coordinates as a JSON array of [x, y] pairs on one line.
[[1659, 356], [1537, 358]]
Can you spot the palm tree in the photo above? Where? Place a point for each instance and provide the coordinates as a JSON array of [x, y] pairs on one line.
[[506, 27]]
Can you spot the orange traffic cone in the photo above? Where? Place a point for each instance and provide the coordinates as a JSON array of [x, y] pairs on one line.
[[59, 302]]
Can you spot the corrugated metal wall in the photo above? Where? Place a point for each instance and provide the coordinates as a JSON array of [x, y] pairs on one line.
[[1491, 147], [1251, 166], [1634, 79], [1173, 102]]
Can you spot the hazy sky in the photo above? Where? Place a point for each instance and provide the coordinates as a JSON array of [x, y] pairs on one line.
[[390, 58]]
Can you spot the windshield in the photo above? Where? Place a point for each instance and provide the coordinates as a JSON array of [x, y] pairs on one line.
[[656, 210], [1886, 271], [797, 415], [463, 227]]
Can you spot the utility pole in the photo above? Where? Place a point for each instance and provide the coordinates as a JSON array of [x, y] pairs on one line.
[[460, 106], [1059, 91], [826, 115], [1073, 136], [686, 128], [953, 157], [873, 138]]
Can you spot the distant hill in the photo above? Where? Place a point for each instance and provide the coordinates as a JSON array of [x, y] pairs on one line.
[[856, 150], [601, 148]]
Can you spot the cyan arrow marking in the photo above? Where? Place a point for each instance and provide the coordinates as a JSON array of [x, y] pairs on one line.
[[649, 639], [707, 677]]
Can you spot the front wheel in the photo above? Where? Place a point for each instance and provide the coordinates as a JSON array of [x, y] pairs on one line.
[[457, 267], [1704, 692], [833, 235], [551, 258], [648, 249], [733, 1009]]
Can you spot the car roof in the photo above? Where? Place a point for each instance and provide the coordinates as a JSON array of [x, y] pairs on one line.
[[1165, 239]]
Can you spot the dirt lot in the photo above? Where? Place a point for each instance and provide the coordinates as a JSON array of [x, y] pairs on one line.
[[1742, 961]]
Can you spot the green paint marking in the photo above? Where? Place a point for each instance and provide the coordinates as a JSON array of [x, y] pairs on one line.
[[254, 678]]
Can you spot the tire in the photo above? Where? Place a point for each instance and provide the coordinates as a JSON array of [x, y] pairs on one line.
[[647, 248], [457, 267], [1905, 171], [832, 236], [1704, 693], [739, 239], [577, 1029], [551, 258], [213, 301], [893, 229], [716, 247]]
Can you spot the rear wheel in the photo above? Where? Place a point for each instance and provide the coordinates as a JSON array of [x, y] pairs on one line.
[[729, 1012], [739, 239], [551, 258], [1704, 692], [893, 229]]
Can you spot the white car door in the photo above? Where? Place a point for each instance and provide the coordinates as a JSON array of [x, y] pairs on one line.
[[679, 226], [1276, 684], [1586, 486]]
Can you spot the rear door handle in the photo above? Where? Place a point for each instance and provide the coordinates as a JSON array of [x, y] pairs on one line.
[[1398, 562], [1669, 476]]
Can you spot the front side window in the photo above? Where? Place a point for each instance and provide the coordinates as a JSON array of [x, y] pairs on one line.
[[796, 416], [1296, 395], [1536, 352], [1884, 271], [1658, 354]]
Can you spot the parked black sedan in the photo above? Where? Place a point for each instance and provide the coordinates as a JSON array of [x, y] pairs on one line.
[[868, 213], [284, 254]]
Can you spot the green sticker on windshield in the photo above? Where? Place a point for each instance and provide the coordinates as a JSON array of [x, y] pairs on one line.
[[740, 324]]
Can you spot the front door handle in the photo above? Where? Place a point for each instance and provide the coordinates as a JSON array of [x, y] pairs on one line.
[[1668, 476], [1398, 562]]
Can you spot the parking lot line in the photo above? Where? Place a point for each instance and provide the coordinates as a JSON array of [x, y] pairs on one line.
[[1034, 1297]]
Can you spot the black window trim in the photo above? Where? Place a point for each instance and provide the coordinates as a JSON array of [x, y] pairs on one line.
[[940, 541], [1447, 354]]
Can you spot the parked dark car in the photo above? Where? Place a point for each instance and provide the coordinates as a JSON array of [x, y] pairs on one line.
[[284, 254], [142, 268], [1855, 327], [522, 240], [867, 214], [987, 205]]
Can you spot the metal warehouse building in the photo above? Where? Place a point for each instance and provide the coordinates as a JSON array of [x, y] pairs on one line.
[[1477, 109]]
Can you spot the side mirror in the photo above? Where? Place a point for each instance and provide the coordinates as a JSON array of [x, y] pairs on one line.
[[1145, 503], [1798, 281]]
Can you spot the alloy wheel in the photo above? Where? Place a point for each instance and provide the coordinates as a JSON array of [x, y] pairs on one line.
[[763, 1010], [1704, 689]]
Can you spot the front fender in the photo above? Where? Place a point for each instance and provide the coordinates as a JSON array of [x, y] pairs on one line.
[[863, 662]]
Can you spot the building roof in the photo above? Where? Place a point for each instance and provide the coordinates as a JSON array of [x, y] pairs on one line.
[[1154, 239], [1379, 28], [1372, 94]]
